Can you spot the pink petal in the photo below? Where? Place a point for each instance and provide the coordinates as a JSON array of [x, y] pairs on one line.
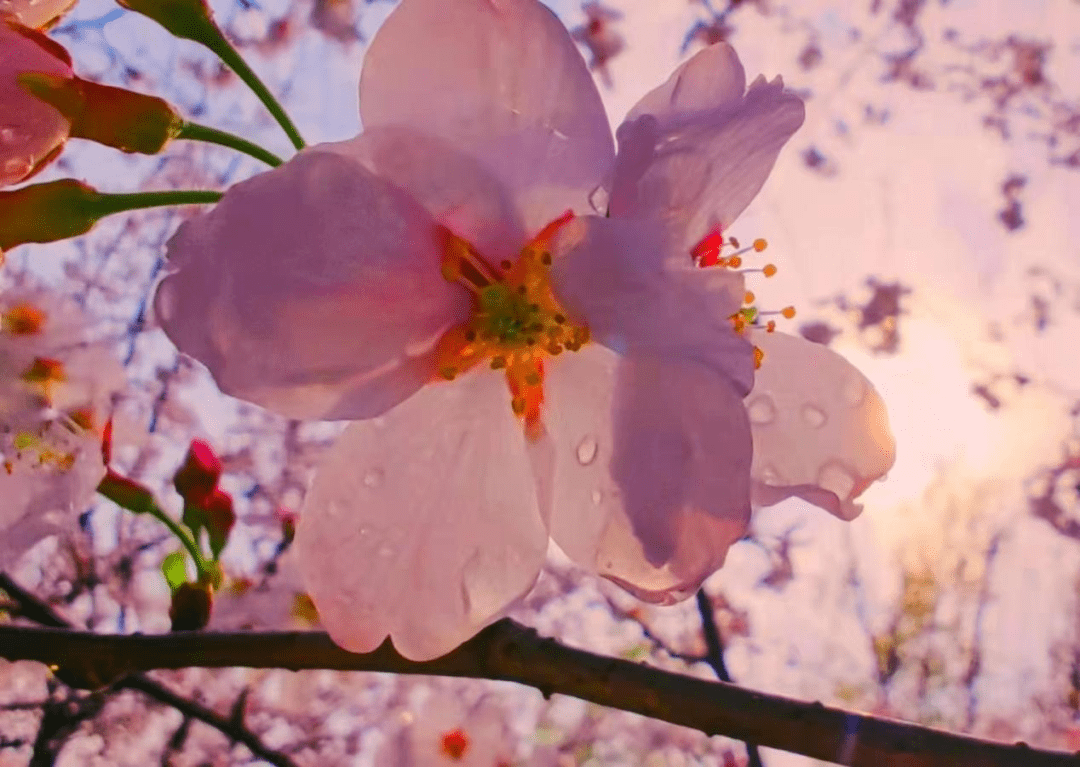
[[34, 13], [500, 80], [423, 524], [456, 189], [694, 153], [313, 290], [618, 277], [31, 131], [652, 469], [712, 79], [820, 428]]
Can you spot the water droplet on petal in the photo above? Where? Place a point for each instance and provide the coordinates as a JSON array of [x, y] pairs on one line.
[[599, 199], [586, 451], [853, 391], [770, 476], [836, 477], [814, 416], [373, 478], [761, 410], [386, 551], [597, 497]]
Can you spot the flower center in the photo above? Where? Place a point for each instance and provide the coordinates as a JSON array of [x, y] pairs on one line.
[[516, 319]]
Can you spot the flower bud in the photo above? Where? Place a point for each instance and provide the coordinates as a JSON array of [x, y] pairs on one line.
[[126, 493], [123, 119], [198, 476], [189, 19], [191, 605], [48, 212], [219, 518]]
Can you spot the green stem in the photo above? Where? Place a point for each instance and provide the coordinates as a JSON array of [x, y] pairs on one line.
[[137, 498], [185, 538], [218, 43], [105, 204], [197, 132]]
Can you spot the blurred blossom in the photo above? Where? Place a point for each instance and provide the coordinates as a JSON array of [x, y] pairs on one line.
[[276, 603], [35, 13], [446, 730], [31, 132], [583, 378], [55, 395], [336, 19], [598, 35]]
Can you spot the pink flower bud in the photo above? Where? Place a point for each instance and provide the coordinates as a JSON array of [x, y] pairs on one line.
[[31, 132], [220, 517], [198, 476]]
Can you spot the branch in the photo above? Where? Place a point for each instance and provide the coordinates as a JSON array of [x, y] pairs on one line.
[[510, 652], [233, 728], [714, 656]]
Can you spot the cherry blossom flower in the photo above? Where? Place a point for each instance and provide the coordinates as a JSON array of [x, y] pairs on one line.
[[32, 133], [55, 393], [447, 731], [517, 366], [35, 13]]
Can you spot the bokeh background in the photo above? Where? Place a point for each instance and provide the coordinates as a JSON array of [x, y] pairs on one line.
[[926, 224]]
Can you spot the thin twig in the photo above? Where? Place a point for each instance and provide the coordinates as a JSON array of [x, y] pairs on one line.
[[714, 656], [508, 651], [33, 608]]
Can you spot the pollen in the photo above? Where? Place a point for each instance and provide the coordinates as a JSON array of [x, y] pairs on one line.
[[788, 312], [769, 270], [516, 319], [759, 357]]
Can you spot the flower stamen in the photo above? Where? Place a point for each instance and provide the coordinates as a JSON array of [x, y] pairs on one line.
[[516, 319]]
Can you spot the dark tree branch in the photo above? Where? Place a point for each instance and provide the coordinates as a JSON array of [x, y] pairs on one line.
[[714, 656], [232, 727], [510, 652], [234, 730]]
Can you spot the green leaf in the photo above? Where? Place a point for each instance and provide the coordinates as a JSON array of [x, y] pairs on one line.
[[174, 568]]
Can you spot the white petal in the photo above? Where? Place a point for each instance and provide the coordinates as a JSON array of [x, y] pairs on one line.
[[423, 524], [820, 428], [501, 80], [612, 275], [694, 153], [652, 469], [314, 290]]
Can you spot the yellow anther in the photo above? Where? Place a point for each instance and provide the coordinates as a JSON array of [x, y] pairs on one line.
[[759, 357], [788, 312], [760, 244], [734, 262], [770, 326], [769, 270], [748, 298]]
